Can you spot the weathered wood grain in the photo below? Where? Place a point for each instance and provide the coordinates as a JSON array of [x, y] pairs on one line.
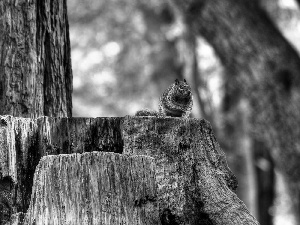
[[16, 219], [195, 185], [24, 141], [94, 188]]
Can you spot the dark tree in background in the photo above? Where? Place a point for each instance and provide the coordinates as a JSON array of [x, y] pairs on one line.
[[263, 67]]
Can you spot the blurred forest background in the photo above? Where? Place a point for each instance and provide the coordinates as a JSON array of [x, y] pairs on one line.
[[126, 53]]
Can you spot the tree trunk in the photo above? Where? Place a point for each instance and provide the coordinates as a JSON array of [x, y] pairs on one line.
[[35, 61], [35, 80], [264, 66]]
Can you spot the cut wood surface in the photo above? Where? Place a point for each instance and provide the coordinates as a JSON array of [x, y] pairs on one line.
[[94, 188], [194, 183]]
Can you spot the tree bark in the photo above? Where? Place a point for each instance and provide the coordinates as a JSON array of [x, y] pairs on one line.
[[193, 179], [35, 80], [35, 61], [24, 141], [264, 66], [16, 219], [195, 185], [94, 188]]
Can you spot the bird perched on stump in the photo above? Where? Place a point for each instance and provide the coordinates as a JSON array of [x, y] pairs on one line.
[[176, 101]]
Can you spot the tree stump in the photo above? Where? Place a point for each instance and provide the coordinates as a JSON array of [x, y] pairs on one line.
[[94, 188], [194, 184], [24, 141]]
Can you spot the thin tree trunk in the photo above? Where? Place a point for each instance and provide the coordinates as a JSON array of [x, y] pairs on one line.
[[239, 143], [264, 66], [187, 54], [265, 181], [188, 44], [35, 61]]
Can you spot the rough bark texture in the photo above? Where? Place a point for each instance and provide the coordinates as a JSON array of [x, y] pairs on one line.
[[195, 185], [24, 141], [35, 80], [35, 61], [194, 182], [5, 200], [16, 219], [94, 188], [264, 66]]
